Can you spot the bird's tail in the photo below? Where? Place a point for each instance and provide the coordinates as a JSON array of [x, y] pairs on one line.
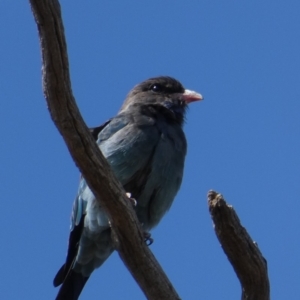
[[72, 284]]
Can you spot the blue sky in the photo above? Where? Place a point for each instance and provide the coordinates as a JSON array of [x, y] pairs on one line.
[[243, 138]]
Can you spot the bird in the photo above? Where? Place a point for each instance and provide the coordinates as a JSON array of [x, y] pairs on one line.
[[145, 147]]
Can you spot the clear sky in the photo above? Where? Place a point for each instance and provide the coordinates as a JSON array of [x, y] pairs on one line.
[[243, 56]]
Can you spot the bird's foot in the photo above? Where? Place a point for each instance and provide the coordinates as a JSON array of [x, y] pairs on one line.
[[147, 238], [147, 235], [132, 200]]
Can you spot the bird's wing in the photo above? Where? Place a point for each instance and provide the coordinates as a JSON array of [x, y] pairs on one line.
[[128, 143], [96, 130], [77, 222]]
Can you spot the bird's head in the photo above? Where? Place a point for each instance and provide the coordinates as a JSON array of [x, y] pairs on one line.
[[162, 92]]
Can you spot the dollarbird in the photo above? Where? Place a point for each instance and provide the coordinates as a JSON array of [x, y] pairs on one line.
[[146, 147]]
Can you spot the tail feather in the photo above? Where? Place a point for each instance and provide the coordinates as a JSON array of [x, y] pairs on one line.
[[72, 286], [60, 276]]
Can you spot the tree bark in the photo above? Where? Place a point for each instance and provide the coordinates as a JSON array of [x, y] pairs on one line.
[[109, 192], [242, 252]]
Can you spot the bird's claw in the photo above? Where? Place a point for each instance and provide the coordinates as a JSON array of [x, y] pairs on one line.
[[147, 238], [132, 200]]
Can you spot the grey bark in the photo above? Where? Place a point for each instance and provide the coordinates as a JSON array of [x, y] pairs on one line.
[[242, 252]]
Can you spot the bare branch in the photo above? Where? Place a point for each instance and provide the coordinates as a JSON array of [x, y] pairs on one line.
[[243, 253], [109, 192]]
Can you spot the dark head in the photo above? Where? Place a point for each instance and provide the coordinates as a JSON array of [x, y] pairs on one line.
[[164, 92]]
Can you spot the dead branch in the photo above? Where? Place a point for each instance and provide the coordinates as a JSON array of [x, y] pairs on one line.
[[242, 252]]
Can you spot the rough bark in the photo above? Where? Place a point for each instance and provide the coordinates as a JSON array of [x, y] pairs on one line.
[[242, 252], [61, 103]]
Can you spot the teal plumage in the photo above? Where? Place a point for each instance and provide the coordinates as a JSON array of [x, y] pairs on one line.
[[146, 148]]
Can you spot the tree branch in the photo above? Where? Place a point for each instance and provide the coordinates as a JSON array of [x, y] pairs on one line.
[[242, 252], [87, 156]]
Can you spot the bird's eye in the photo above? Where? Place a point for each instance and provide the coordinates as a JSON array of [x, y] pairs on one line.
[[156, 88]]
